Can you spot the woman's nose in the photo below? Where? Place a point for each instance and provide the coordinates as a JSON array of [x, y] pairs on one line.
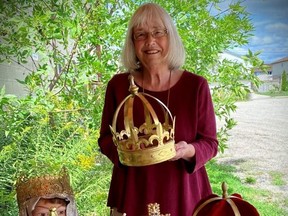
[[150, 39]]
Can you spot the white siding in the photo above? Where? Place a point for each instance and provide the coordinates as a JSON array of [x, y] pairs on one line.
[[9, 73], [278, 68]]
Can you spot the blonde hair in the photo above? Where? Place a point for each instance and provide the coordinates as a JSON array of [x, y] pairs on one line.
[[176, 51]]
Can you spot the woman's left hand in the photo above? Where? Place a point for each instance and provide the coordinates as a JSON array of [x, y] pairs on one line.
[[184, 150]]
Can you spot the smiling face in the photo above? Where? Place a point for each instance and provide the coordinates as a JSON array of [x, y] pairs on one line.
[[49, 207], [151, 43]]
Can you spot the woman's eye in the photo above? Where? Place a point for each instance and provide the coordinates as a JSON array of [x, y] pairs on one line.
[[140, 35], [41, 213], [62, 213], [157, 34]]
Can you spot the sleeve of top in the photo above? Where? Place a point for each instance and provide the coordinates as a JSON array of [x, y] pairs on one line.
[[206, 143], [105, 141]]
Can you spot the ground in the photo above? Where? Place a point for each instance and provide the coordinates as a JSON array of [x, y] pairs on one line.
[[258, 146]]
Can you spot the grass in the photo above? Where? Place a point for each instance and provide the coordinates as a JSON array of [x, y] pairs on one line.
[[275, 93], [277, 178], [264, 201], [250, 180]]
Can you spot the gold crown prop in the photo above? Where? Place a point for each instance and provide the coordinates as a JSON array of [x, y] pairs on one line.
[[42, 186], [151, 143], [154, 210]]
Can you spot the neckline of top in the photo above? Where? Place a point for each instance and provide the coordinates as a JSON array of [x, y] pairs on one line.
[[159, 92]]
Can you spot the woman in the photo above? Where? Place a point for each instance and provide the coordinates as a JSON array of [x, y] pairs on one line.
[[153, 53]]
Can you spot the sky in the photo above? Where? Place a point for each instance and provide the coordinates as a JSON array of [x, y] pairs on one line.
[[270, 20]]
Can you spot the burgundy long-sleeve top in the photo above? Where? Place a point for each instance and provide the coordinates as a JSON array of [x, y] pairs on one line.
[[176, 185]]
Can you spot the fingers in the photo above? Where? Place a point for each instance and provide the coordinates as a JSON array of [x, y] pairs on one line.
[[180, 150], [183, 150], [181, 144]]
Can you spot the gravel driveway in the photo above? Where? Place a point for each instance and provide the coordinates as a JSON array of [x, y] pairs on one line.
[[258, 146]]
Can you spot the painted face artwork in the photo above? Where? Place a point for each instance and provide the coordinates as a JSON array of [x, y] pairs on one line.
[[46, 207]]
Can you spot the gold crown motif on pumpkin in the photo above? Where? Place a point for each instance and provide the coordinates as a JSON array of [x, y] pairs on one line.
[[27, 188], [231, 205], [151, 143]]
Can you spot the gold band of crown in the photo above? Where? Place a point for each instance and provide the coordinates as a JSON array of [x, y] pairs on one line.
[[151, 143], [42, 186]]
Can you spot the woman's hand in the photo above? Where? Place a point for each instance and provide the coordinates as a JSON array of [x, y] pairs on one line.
[[184, 150]]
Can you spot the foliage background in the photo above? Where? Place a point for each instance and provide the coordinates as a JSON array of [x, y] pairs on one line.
[[78, 44], [284, 85]]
